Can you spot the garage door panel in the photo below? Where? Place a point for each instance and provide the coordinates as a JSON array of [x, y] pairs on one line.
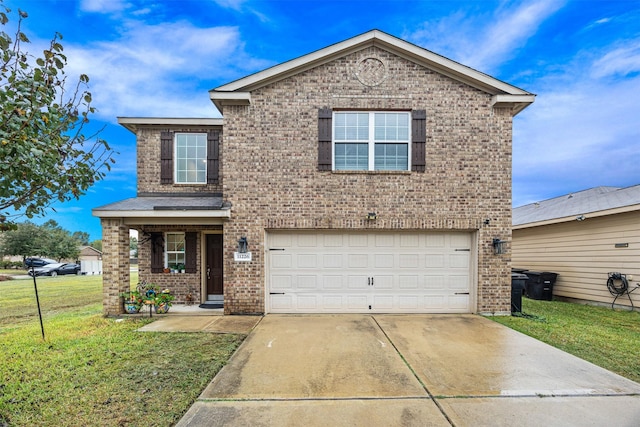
[[281, 261], [434, 261], [358, 240], [357, 281], [433, 282], [384, 261], [409, 261], [306, 302], [333, 261], [380, 282], [358, 260], [333, 282], [281, 283], [459, 261], [307, 261], [307, 282], [459, 302], [357, 302], [408, 282], [384, 240], [459, 283], [408, 302], [369, 272], [382, 303], [307, 241]]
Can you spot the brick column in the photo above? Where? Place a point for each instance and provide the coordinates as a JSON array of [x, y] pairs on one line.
[[115, 264]]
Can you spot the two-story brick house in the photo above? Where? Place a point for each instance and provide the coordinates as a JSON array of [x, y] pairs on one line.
[[369, 176]]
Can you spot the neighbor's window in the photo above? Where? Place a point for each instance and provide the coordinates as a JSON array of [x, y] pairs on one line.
[[371, 141], [174, 252], [191, 158]]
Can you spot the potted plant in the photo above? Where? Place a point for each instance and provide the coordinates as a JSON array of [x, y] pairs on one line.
[[162, 301], [132, 301], [181, 268]]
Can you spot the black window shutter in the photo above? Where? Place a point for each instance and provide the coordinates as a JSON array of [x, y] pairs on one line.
[[324, 139], [157, 253], [418, 140], [191, 252], [166, 158], [213, 156]]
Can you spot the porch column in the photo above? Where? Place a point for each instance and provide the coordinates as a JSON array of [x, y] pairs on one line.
[[115, 264]]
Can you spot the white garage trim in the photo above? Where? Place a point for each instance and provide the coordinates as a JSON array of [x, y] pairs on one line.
[[370, 272]]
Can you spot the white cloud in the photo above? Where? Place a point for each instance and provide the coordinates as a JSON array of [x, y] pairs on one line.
[[157, 70], [103, 6], [580, 133], [620, 61], [485, 41]]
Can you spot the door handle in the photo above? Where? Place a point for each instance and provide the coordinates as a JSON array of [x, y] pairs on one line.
[[208, 273]]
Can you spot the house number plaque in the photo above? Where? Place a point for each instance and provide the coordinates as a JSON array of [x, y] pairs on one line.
[[242, 256]]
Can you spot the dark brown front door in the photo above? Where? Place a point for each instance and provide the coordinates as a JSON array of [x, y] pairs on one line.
[[214, 264]]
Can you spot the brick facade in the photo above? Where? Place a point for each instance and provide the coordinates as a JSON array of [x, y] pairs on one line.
[[272, 179], [115, 259], [269, 162], [148, 156]]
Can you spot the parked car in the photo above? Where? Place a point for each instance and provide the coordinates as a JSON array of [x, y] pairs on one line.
[[56, 269], [38, 262]]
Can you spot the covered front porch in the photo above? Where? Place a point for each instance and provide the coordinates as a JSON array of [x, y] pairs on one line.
[[180, 247]]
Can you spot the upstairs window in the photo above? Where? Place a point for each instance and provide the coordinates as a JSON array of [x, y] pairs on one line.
[[371, 140], [191, 158]]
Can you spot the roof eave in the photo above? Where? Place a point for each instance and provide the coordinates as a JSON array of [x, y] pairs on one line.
[[584, 216], [133, 123], [424, 57], [516, 103], [220, 99]]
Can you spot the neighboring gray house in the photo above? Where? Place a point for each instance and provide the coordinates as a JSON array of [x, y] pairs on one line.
[[582, 236], [371, 176]]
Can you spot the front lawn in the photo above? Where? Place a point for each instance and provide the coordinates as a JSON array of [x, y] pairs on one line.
[[607, 338], [92, 370]]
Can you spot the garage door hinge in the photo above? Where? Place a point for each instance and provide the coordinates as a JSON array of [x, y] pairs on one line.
[[462, 293], [276, 293], [463, 250], [276, 249]]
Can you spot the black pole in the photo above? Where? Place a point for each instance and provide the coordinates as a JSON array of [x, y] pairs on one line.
[[35, 286]]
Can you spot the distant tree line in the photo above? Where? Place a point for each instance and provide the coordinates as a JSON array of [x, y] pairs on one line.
[[48, 240]]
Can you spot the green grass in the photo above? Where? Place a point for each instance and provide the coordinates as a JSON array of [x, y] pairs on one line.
[[92, 370], [607, 338]]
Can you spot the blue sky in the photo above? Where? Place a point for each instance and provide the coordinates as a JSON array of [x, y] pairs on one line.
[[159, 59]]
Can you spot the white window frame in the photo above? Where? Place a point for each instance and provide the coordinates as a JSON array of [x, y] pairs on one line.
[[371, 141], [177, 158], [167, 251]]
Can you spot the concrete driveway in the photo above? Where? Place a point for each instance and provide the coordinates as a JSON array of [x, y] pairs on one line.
[[408, 370]]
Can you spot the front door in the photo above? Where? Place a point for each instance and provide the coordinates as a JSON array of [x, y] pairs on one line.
[[214, 267]]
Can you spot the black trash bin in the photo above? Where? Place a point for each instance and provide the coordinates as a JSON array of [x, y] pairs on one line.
[[540, 285], [518, 282]]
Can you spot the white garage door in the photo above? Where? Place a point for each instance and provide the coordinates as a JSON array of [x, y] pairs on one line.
[[372, 272]]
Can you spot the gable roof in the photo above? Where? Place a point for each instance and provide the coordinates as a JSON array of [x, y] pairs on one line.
[[89, 250], [238, 92], [598, 201]]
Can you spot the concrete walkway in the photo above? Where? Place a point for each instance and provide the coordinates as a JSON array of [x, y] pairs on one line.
[[407, 370]]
